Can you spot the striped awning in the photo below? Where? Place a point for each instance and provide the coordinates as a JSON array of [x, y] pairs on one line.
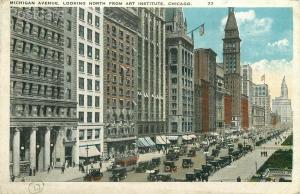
[[160, 141], [172, 137], [149, 141], [90, 152], [165, 139], [186, 137], [141, 142]]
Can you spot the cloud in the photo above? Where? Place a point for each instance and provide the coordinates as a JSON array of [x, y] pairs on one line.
[[283, 43], [272, 65], [249, 23]]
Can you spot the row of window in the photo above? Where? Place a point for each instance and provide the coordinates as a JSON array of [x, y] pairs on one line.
[[88, 134], [89, 33], [121, 80], [120, 104], [87, 117], [121, 58], [30, 49], [38, 32], [89, 51], [120, 131], [114, 44], [89, 84], [89, 18], [89, 68], [151, 129], [121, 34], [89, 98]]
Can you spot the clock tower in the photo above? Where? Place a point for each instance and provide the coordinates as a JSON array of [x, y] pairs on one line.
[[232, 67]]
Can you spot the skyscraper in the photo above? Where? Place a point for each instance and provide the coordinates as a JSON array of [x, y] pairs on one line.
[[231, 60], [179, 70]]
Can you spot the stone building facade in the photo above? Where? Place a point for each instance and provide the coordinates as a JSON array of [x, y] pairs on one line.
[[231, 60], [247, 88], [261, 97], [244, 112], [220, 92], [258, 118], [43, 119], [179, 74], [120, 29], [151, 84]]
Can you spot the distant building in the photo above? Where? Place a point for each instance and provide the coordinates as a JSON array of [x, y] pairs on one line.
[[282, 106], [261, 97], [275, 120], [247, 88], [227, 109], [258, 118], [244, 112], [205, 78], [179, 73], [220, 92], [232, 69]]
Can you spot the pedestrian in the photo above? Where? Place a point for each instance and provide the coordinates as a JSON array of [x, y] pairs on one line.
[[23, 179], [238, 179], [79, 166], [62, 169], [48, 169], [12, 178], [33, 171], [100, 165], [266, 154], [261, 154], [30, 172]]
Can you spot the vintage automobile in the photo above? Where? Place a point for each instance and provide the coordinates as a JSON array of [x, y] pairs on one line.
[[170, 166], [187, 163], [215, 152], [118, 174], [183, 150], [156, 161], [248, 148], [198, 173], [190, 177], [218, 146], [172, 155], [164, 177], [93, 175], [192, 153], [236, 154], [226, 160], [142, 167], [152, 176], [209, 158], [215, 164], [208, 168]]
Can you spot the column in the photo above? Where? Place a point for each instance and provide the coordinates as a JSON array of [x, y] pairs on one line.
[[33, 147], [47, 148], [16, 152]]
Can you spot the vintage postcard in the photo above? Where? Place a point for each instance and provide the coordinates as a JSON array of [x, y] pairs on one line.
[[199, 95]]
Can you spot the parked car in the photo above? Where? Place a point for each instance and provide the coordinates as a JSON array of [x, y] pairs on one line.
[[93, 175], [190, 177], [153, 175], [215, 152], [142, 167], [208, 168], [156, 161], [187, 163], [118, 174], [192, 153], [170, 166], [164, 177], [198, 173], [172, 155]]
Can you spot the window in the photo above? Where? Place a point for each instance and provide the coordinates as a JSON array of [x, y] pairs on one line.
[[81, 66], [97, 133], [97, 40], [81, 83], [174, 80], [69, 60], [81, 100], [69, 25], [121, 34], [90, 84], [81, 31], [89, 100], [97, 115], [90, 51], [89, 117], [68, 77], [114, 31], [89, 34], [81, 117], [97, 70], [97, 85], [69, 93], [97, 101], [97, 21], [89, 134], [81, 49], [97, 54], [90, 18], [89, 68], [81, 134], [81, 13]]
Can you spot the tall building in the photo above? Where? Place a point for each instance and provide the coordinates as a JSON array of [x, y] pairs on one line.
[[88, 41], [282, 106], [205, 76], [247, 88], [231, 60], [220, 93], [258, 116], [43, 121], [179, 73], [261, 97], [120, 33], [150, 72], [244, 112]]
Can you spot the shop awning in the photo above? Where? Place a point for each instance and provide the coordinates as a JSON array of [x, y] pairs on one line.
[[172, 137], [165, 139], [186, 137], [160, 141], [149, 141], [193, 136], [141, 142], [91, 152]]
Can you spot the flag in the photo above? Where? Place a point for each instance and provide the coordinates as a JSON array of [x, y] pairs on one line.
[[263, 77], [201, 30]]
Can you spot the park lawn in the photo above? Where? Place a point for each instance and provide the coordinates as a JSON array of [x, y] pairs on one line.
[[280, 159], [288, 141]]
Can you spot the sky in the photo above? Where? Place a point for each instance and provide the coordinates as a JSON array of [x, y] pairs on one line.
[[267, 40]]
